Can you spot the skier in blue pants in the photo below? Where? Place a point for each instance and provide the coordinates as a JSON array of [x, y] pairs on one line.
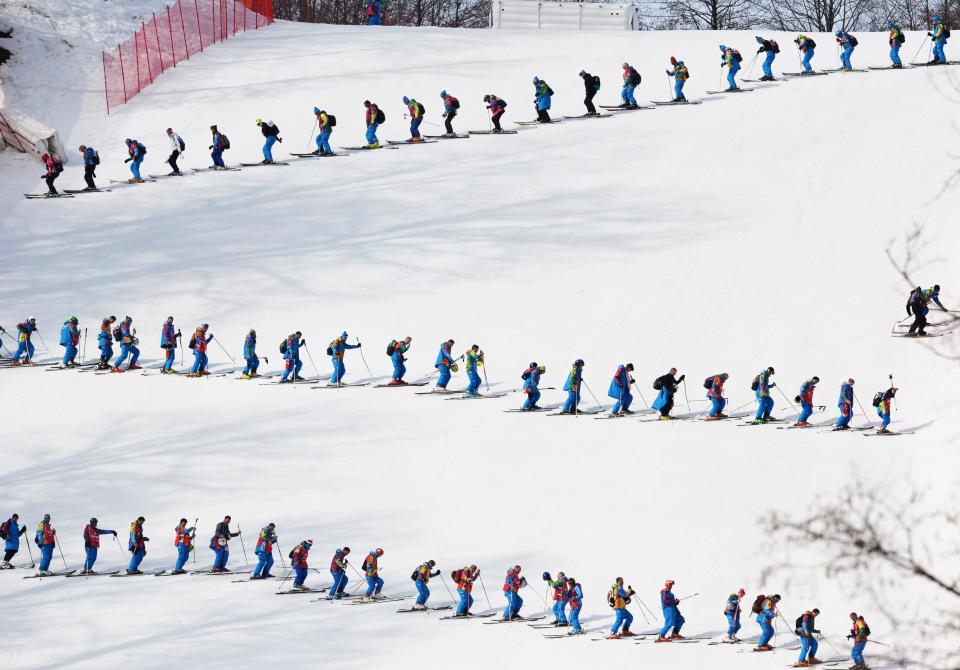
[[764, 399], [137, 546], [845, 403], [715, 395], [335, 351], [338, 570], [768, 612], [325, 122], [25, 331], [445, 363], [806, 629], [421, 577], [11, 544], [806, 400], [271, 134], [620, 598], [680, 74], [291, 356], [884, 406], [105, 342], [396, 351], [847, 43], [860, 634], [732, 611], [264, 551], [69, 339], [136, 151], [672, 619], [91, 544], [620, 389], [631, 79], [464, 582], [220, 544], [220, 144], [731, 59], [806, 47], [371, 572], [473, 359], [896, 40], [560, 597], [250, 355], [511, 591], [183, 540], [531, 385], [128, 346], [576, 604], [939, 36], [168, 342], [771, 48], [46, 539], [572, 387]]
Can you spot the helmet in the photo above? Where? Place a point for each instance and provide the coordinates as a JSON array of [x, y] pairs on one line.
[[93, 520], [759, 39], [309, 543], [889, 24], [629, 366], [31, 318], [579, 362], [723, 47], [741, 593], [74, 319], [838, 32], [169, 131], [431, 563], [668, 583], [626, 66], [213, 127], [533, 364], [317, 110], [366, 103], [443, 94], [343, 334], [582, 72], [546, 576], [936, 19], [259, 122], [379, 551], [406, 100], [673, 60], [536, 80], [486, 98]]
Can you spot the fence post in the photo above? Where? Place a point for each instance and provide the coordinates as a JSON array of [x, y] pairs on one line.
[[106, 94], [244, 17], [183, 30], [123, 76], [213, 19], [146, 52], [156, 32], [196, 8], [173, 49]]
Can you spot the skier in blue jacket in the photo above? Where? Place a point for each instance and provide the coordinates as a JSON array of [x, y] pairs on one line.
[[168, 342], [137, 546], [531, 385], [105, 342], [620, 389], [619, 598], [271, 135], [445, 363], [543, 96], [764, 399], [335, 351], [672, 619], [845, 403], [25, 331], [732, 611], [199, 342], [91, 544], [806, 631], [218, 145], [396, 351], [771, 48], [847, 43], [250, 355], [806, 400], [69, 339], [572, 387], [731, 59], [291, 357], [768, 612], [473, 359], [90, 161], [128, 346], [13, 531], [938, 34], [46, 539], [136, 152]]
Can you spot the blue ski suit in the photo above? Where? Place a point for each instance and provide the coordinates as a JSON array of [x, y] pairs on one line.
[[808, 643], [397, 358], [473, 359], [444, 361], [621, 598], [672, 619], [732, 612], [127, 346], [845, 403], [730, 59], [291, 357], [766, 616], [250, 354], [847, 42], [806, 400], [764, 399], [531, 386], [337, 347], [168, 342], [620, 390], [69, 339], [572, 387]]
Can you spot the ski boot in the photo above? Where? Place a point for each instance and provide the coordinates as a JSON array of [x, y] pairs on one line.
[[677, 636], [613, 636], [134, 366], [666, 417], [661, 638], [627, 633]]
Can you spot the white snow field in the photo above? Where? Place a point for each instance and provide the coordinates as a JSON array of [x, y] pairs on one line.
[[744, 232]]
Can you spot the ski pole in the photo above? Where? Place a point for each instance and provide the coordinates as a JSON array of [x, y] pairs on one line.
[[311, 362], [232, 360], [489, 120], [863, 410], [364, 359], [640, 394], [447, 587], [799, 57], [755, 56], [310, 137], [192, 546], [485, 381], [722, 65], [60, 549], [786, 398], [685, 396], [44, 343], [538, 595], [123, 556], [742, 406], [180, 340], [282, 563], [83, 356], [243, 546], [692, 595], [891, 386], [835, 650], [669, 93], [642, 613], [591, 393], [489, 604], [30, 553], [652, 613], [882, 644]]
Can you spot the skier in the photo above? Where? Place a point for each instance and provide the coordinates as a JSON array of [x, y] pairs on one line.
[[560, 597], [374, 12], [177, 147], [396, 351], [137, 546], [91, 543], [220, 143], [731, 59], [762, 385], [918, 306], [572, 387], [672, 619], [416, 111], [250, 355], [896, 40], [25, 330], [543, 95], [667, 385], [767, 613], [464, 580], [199, 343], [290, 349], [938, 35], [168, 342], [714, 386], [69, 339], [619, 598], [771, 48], [136, 152], [10, 532], [848, 43], [512, 584], [732, 611], [371, 572], [220, 544], [183, 541], [46, 539], [128, 345], [531, 385], [497, 107], [450, 107], [680, 74], [54, 168], [805, 398], [575, 592], [91, 159], [271, 133], [325, 122], [859, 633], [807, 46], [883, 401], [264, 552], [473, 359], [421, 577], [845, 403], [298, 561], [335, 351], [338, 570], [591, 86], [105, 342], [806, 628], [631, 79], [620, 390], [445, 364], [373, 117]]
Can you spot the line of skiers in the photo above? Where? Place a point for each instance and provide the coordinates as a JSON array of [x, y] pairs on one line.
[[567, 592]]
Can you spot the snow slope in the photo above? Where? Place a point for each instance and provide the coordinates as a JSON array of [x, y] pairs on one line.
[[733, 235]]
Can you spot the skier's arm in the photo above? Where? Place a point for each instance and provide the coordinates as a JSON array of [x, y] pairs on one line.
[[936, 299]]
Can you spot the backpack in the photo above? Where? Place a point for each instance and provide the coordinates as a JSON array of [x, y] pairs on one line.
[[117, 335], [142, 149], [96, 158], [755, 384], [866, 629], [454, 103], [549, 90], [657, 384], [708, 383], [811, 43], [853, 40], [611, 600], [684, 73], [595, 80], [423, 108], [331, 120], [798, 626], [774, 47], [414, 574], [900, 38], [5, 530], [224, 141], [381, 117], [757, 606], [181, 143], [57, 166], [526, 374], [877, 398], [283, 346], [456, 575], [330, 349], [391, 347], [193, 342], [635, 78], [503, 103], [737, 57], [290, 555], [946, 35]]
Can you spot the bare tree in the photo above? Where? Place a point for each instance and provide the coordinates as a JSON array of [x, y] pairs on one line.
[[447, 13], [709, 14], [814, 15]]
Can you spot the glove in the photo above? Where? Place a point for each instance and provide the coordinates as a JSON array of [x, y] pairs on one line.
[[760, 50], [359, 345], [849, 637], [210, 147], [128, 160], [43, 176], [929, 34], [280, 140], [303, 342], [146, 539], [682, 377]]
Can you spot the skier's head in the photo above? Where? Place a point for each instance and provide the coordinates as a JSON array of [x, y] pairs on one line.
[[46, 517], [343, 335], [849, 381], [140, 519], [486, 97], [450, 342], [128, 319], [838, 32], [169, 131], [628, 367], [775, 598], [546, 576], [673, 60], [536, 80], [253, 332], [578, 363], [317, 110], [169, 319], [183, 522], [669, 583], [74, 320], [889, 24], [259, 122], [770, 370], [741, 593], [213, 127], [272, 526], [408, 339], [626, 66], [673, 371], [619, 581], [346, 550], [443, 94], [406, 100], [15, 517], [431, 563], [298, 334], [475, 347], [82, 148], [516, 569], [582, 73], [128, 141], [724, 376], [227, 519], [853, 616], [723, 47], [93, 521], [815, 611], [759, 39], [571, 581], [309, 543], [533, 365], [936, 19], [560, 575], [366, 103], [204, 326], [45, 157], [378, 551], [31, 319], [936, 287]]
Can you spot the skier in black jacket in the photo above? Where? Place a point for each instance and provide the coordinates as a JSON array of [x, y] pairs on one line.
[[591, 84], [667, 385]]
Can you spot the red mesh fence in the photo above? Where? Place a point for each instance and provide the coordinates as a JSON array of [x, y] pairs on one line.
[[176, 33]]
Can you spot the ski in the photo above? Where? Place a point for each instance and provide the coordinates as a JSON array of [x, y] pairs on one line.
[[429, 609], [43, 196], [760, 81], [399, 386], [676, 102], [729, 90], [888, 433], [479, 396], [537, 122], [264, 164], [291, 382], [493, 132], [844, 70], [455, 136], [254, 579], [167, 176], [132, 183], [87, 190], [531, 411], [93, 574], [467, 617], [564, 636], [77, 367], [133, 574], [358, 600], [365, 148], [801, 75], [515, 620], [170, 573], [216, 169], [621, 108], [577, 413], [437, 392], [583, 117], [341, 386], [303, 589], [313, 155], [50, 574], [397, 143], [919, 337], [617, 416], [890, 67]]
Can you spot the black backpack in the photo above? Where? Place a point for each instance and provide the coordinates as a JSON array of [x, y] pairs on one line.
[[798, 627], [381, 117], [181, 143], [193, 342], [549, 90], [224, 141], [96, 158], [423, 109], [142, 149], [415, 574], [853, 40], [657, 384], [946, 35], [331, 120], [877, 398], [117, 335], [901, 38], [811, 43], [454, 103], [757, 606], [708, 383], [635, 78], [283, 346], [526, 374], [737, 57], [456, 575], [503, 103], [755, 384], [595, 80], [391, 347]]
